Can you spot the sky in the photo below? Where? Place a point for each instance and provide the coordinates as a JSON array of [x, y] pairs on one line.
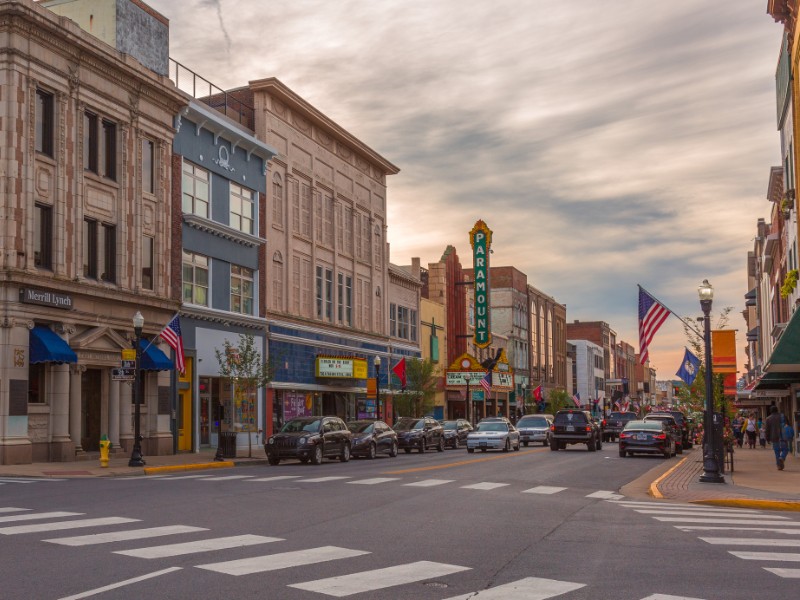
[[606, 144]]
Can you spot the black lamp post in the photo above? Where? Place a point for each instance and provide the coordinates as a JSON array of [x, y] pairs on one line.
[[711, 471], [377, 363], [136, 455]]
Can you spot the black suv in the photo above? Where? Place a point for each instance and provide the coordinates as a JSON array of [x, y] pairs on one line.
[[683, 424], [420, 433], [575, 427], [614, 424], [310, 439]]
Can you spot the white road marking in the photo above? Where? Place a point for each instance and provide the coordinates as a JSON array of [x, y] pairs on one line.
[[429, 482], [649, 503], [602, 494], [234, 541], [374, 480], [227, 477], [78, 524], [788, 573], [530, 588], [751, 541], [704, 509], [29, 480], [8, 509], [177, 477], [486, 485], [666, 597], [781, 556], [34, 516], [285, 560], [114, 586], [366, 581], [734, 528], [120, 536], [323, 479], [544, 489], [697, 513], [277, 478], [716, 521]]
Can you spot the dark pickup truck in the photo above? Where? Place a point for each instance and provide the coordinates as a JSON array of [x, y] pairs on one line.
[[615, 423]]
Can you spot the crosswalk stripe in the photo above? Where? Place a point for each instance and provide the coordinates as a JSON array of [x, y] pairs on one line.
[[323, 479], [697, 513], [666, 597], [285, 560], [34, 516], [375, 480], [781, 556], [277, 478], [79, 524], [751, 541], [428, 482], [602, 494], [8, 480], [8, 509], [366, 581], [649, 503], [530, 588], [544, 489], [234, 541], [120, 584], [119, 536], [227, 477], [718, 521], [734, 528], [788, 573], [705, 509], [485, 486]]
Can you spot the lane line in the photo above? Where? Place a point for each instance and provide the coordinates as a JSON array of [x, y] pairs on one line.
[[544, 489], [751, 542], [177, 477], [32, 517], [78, 524], [277, 478], [717, 521], [530, 588], [667, 597], [732, 528], [651, 503], [788, 573], [227, 477], [486, 485], [780, 556], [285, 560], [234, 541], [602, 494], [323, 479], [377, 579], [374, 480], [114, 586], [429, 482], [8, 509], [120, 536]]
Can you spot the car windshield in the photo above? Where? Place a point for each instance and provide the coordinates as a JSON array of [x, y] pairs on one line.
[[361, 426], [449, 425], [532, 422], [492, 426], [297, 425], [409, 424], [643, 426]]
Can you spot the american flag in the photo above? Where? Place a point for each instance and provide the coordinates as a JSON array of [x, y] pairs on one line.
[[486, 382], [172, 335], [652, 315], [576, 398]]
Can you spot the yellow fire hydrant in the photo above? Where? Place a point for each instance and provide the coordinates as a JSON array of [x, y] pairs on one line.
[[105, 446]]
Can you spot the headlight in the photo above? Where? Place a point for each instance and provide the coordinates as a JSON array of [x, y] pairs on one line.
[[302, 440], [271, 441]]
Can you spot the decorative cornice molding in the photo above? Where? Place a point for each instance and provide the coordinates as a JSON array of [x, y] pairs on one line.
[[225, 318], [223, 231]]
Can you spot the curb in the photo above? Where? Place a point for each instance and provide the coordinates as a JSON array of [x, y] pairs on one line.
[[654, 491], [751, 503], [195, 467]]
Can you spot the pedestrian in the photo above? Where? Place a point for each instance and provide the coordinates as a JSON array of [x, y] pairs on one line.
[[788, 433], [750, 431], [762, 434], [737, 430], [775, 433]]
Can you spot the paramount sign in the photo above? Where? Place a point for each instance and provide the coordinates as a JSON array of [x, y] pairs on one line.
[[480, 238]]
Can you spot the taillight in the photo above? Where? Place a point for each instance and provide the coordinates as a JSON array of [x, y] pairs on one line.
[[604, 422], [588, 428], [552, 427], [624, 435], [660, 436]]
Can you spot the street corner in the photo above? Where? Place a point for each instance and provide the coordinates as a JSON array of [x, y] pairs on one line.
[[754, 503], [191, 467], [655, 489]]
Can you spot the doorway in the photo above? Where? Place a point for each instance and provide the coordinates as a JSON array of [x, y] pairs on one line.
[[184, 420], [91, 393]]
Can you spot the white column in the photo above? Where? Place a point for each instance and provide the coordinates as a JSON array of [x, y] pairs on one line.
[[75, 406], [113, 413], [125, 425], [60, 403]]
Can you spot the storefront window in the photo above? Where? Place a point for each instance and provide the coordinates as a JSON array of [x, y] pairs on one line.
[[36, 393]]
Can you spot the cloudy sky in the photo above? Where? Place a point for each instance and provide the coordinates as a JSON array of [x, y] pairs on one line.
[[605, 143]]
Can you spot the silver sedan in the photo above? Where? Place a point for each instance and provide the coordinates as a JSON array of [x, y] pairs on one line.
[[493, 435]]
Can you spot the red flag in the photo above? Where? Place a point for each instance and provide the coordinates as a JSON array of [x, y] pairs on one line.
[[537, 393], [400, 370]]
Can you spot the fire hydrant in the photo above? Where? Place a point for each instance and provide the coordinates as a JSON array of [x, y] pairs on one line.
[[105, 446]]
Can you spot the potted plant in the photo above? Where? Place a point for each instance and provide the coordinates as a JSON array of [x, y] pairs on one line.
[[789, 283]]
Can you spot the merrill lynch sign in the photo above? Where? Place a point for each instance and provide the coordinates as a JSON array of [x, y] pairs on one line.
[[54, 299]]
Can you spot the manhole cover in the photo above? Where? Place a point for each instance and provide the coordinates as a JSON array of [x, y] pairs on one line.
[[436, 584]]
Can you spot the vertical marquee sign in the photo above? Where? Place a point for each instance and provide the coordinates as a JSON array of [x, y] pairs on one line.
[[480, 238]]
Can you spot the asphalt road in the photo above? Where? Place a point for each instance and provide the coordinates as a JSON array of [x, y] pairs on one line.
[[525, 525]]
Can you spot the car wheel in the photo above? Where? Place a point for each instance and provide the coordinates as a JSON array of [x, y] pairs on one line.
[[678, 449], [622, 454], [553, 445], [304, 459], [526, 443], [407, 450], [591, 445], [456, 443], [599, 444], [470, 450], [393, 450], [372, 451], [345, 455], [440, 447], [273, 460], [316, 458], [422, 446]]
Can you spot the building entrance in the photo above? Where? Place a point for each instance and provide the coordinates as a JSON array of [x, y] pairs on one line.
[[91, 391]]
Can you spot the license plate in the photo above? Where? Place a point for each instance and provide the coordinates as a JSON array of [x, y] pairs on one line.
[[641, 436], [482, 444], [570, 428]]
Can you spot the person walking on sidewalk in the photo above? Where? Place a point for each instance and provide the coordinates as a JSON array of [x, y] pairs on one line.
[[775, 436], [788, 432], [750, 429], [762, 434]]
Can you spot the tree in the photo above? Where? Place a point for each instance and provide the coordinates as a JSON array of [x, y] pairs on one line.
[[558, 400], [248, 372], [421, 380]]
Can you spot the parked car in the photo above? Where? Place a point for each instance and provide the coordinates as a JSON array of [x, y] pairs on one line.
[[574, 426], [650, 437], [614, 424], [371, 437], [493, 433], [535, 428], [455, 432], [310, 439], [687, 430], [674, 428], [419, 433]]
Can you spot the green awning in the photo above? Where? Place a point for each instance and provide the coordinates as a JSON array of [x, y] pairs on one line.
[[777, 381], [786, 355]]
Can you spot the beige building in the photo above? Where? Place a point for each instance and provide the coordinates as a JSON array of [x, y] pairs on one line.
[[433, 344], [87, 133]]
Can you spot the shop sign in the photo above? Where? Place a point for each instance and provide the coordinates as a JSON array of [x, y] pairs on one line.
[[456, 378], [295, 405], [349, 368], [45, 298], [123, 374], [480, 238]]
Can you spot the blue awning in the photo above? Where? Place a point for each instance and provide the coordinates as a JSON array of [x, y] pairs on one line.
[[154, 359], [46, 346]]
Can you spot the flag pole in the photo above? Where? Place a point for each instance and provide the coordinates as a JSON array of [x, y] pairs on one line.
[[689, 325]]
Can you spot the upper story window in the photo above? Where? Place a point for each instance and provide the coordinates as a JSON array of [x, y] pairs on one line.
[[148, 245], [99, 145], [43, 236], [195, 188], [148, 166], [242, 208], [277, 200], [195, 278], [241, 290], [99, 251], [403, 322], [44, 123]]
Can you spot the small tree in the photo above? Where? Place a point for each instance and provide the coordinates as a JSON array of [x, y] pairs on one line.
[[421, 379], [247, 370], [558, 400]]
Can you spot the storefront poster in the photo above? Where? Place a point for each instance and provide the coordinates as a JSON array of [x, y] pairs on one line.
[[294, 405]]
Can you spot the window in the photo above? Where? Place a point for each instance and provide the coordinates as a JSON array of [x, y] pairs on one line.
[[339, 227], [148, 245], [328, 221], [44, 123], [413, 325], [305, 213], [329, 294], [403, 317], [195, 188], [296, 285], [365, 241], [319, 292], [241, 290], [99, 145], [348, 231], [393, 320], [148, 166], [325, 293], [277, 200], [345, 299], [108, 150], [36, 383], [99, 251], [295, 205], [43, 237], [277, 281], [340, 297], [318, 210], [195, 278], [242, 209], [90, 142], [378, 245], [306, 286]]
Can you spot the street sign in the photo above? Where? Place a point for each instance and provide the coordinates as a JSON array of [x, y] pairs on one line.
[[128, 364], [123, 374], [128, 354]]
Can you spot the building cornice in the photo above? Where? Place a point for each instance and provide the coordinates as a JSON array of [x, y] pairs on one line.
[[223, 231], [222, 317]]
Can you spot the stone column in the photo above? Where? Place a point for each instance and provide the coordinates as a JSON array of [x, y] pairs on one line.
[[62, 447], [113, 413], [75, 406]]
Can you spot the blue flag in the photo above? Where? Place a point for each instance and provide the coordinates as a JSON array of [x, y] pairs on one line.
[[689, 367]]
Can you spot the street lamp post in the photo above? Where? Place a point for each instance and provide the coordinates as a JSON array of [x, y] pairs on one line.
[[524, 398], [378, 385], [136, 455], [711, 471]]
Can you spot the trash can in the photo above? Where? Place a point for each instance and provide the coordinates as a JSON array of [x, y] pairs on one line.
[[227, 443]]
